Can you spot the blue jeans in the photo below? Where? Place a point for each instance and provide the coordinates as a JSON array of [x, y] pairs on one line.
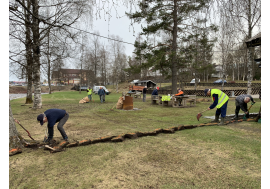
[[222, 110], [90, 97], [101, 98]]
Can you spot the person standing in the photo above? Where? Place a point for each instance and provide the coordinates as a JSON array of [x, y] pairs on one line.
[[241, 102], [220, 100], [53, 116], [104, 94], [144, 93], [101, 94], [89, 92]]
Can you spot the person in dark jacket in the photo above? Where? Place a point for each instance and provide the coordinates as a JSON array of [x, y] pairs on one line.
[[53, 116], [144, 93], [241, 103], [155, 92], [101, 93]]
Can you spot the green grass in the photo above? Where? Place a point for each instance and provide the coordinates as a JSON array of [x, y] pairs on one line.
[[206, 157]]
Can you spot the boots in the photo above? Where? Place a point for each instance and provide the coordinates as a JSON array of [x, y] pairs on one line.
[[222, 121], [236, 115], [216, 120]]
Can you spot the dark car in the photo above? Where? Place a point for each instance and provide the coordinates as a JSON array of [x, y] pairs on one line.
[[220, 81]]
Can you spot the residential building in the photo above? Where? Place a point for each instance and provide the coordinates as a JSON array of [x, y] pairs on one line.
[[72, 76]]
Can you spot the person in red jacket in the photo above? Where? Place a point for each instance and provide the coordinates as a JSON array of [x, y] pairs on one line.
[[180, 93]]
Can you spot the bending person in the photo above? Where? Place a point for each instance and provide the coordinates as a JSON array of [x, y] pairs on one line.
[[53, 116]]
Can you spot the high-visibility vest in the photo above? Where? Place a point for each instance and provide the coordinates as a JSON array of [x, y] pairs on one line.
[[89, 91], [222, 97]]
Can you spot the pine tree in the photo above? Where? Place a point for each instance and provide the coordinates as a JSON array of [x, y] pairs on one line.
[[172, 17]]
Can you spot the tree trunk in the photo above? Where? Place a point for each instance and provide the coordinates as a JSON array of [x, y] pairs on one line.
[[29, 58], [36, 51], [49, 64], [250, 50], [174, 48], [238, 71], [249, 74], [15, 140]]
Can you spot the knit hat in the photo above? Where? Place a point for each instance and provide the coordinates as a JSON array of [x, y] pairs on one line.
[[206, 91], [40, 118]]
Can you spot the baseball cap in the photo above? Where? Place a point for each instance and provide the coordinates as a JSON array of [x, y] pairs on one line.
[[40, 118], [205, 91]]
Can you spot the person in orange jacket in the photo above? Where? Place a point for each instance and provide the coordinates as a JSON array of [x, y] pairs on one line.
[[180, 93]]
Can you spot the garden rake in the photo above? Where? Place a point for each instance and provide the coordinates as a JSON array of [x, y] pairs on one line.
[[245, 118], [23, 128], [200, 114]]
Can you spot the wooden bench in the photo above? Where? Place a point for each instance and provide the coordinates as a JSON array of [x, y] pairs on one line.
[[192, 100], [186, 98], [154, 99], [138, 94]]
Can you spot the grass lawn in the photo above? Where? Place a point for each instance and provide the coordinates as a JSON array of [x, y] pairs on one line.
[[205, 157]]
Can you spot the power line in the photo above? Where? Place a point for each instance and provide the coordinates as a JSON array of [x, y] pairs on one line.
[[133, 44], [101, 36]]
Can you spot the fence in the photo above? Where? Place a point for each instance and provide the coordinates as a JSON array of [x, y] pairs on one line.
[[255, 85], [201, 92]]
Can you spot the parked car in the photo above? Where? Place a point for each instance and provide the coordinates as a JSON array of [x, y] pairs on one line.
[[193, 80], [220, 81], [96, 88]]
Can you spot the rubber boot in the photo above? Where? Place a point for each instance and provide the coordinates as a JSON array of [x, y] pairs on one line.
[[222, 121], [216, 120], [236, 115]]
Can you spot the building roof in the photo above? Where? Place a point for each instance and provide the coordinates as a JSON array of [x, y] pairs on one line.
[[254, 41], [144, 81], [71, 71]]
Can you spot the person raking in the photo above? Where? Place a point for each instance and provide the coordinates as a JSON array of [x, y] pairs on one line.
[[220, 100]]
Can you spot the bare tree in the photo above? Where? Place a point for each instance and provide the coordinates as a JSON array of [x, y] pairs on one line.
[[118, 58], [245, 16]]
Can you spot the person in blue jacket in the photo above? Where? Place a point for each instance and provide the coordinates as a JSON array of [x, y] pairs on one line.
[[155, 92], [53, 116], [101, 94]]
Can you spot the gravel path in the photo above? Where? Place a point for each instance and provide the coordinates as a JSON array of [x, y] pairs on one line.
[[15, 96]]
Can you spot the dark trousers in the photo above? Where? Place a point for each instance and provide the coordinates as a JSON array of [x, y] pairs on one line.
[[237, 108], [144, 97], [222, 110], [180, 99], [59, 127]]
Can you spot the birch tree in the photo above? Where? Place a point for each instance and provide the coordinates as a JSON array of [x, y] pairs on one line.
[[245, 16]]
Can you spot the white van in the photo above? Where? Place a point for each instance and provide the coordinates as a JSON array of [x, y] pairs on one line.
[[96, 88], [193, 81]]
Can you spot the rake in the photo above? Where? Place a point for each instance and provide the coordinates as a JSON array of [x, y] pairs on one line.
[[200, 114], [23, 128], [244, 118]]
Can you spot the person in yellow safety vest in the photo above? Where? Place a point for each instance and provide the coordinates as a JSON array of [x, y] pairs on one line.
[[89, 92], [220, 100]]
